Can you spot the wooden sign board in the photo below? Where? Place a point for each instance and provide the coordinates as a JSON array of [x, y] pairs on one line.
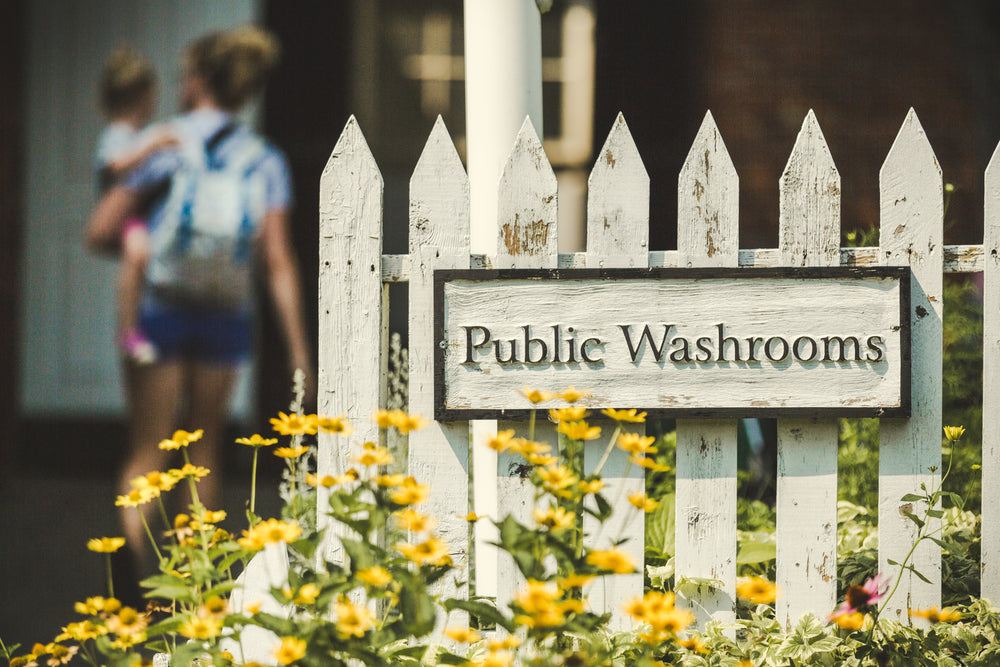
[[692, 342]]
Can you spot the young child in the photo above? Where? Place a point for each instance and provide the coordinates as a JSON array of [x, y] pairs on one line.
[[127, 92]]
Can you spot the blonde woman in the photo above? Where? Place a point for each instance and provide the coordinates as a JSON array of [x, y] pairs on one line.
[[222, 197]]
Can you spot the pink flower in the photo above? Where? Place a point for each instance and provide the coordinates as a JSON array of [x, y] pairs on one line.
[[857, 597]]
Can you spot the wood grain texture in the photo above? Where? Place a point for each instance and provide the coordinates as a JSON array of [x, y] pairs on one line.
[[351, 327], [617, 236], [911, 233], [526, 225], [806, 500], [526, 207], [707, 235], [991, 383], [439, 239]]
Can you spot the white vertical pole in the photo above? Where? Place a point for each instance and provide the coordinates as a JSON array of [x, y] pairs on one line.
[[503, 84]]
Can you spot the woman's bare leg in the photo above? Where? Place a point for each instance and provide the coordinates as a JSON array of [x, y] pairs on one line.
[[154, 393], [210, 387]]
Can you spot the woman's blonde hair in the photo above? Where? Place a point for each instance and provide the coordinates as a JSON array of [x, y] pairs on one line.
[[234, 63], [126, 77]]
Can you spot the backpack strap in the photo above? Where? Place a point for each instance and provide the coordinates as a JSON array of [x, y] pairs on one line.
[[216, 139]]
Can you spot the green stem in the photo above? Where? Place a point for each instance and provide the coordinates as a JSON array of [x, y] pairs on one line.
[[107, 569], [253, 482], [149, 534], [608, 449]]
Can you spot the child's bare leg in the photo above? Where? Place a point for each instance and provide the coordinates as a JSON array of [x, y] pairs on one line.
[[131, 280]]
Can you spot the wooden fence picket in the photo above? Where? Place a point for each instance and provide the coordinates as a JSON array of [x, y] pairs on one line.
[[991, 383], [911, 233], [526, 223], [806, 502], [352, 329], [617, 236], [439, 239], [707, 236]]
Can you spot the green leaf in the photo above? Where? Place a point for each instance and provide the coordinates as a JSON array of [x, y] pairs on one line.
[[446, 658], [660, 527], [755, 548], [910, 497], [937, 514], [913, 517], [484, 612]]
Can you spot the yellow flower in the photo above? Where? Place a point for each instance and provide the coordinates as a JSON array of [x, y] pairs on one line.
[[536, 396], [473, 517], [757, 590], [571, 394], [267, 532], [136, 497], [852, 621], [162, 481], [290, 452], [375, 576], [406, 423], [201, 627], [106, 545], [334, 425], [557, 479], [554, 518], [306, 594], [290, 650], [256, 440], [390, 481], [253, 607], [579, 430], [625, 415], [934, 615], [410, 519], [378, 456], [212, 516], [294, 424], [59, 654], [639, 500], [541, 460], [82, 631], [352, 620], [97, 605], [181, 439], [463, 635], [537, 596], [613, 560], [668, 621], [498, 658], [591, 486], [636, 444], [433, 551], [191, 470], [694, 644], [575, 581], [127, 621], [567, 414], [954, 433], [503, 441], [649, 464], [386, 418], [410, 492], [528, 448], [214, 606]]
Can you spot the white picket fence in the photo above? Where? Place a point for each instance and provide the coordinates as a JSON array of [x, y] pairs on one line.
[[353, 304]]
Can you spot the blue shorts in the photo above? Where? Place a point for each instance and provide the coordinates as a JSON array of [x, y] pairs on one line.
[[213, 336]]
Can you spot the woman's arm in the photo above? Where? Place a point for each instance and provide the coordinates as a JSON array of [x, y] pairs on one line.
[[282, 275], [104, 228]]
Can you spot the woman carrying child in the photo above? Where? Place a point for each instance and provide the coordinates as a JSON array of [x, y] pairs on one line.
[[196, 306]]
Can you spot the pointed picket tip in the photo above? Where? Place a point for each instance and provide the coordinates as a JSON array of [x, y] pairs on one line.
[[708, 151], [439, 194], [810, 148], [619, 149], [439, 154], [527, 205], [351, 142], [618, 202], [991, 225], [911, 144]]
